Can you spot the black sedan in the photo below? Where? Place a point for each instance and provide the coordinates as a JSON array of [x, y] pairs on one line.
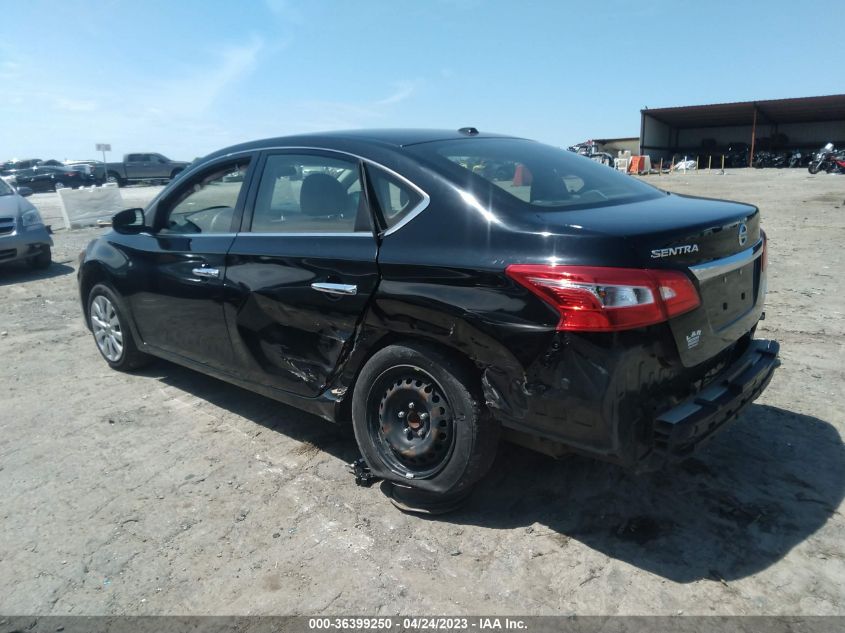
[[392, 280], [51, 177]]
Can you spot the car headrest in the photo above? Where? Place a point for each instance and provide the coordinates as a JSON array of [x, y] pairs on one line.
[[322, 195]]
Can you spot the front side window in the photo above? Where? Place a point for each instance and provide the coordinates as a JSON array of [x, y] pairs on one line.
[[539, 175], [207, 203], [310, 194]]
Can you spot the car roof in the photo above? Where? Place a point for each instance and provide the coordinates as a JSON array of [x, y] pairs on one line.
[[396, 138]]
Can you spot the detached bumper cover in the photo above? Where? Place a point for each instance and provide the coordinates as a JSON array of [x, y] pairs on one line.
[[681, 430]]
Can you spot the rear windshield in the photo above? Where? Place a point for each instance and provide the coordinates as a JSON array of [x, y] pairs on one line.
[[543, 176]]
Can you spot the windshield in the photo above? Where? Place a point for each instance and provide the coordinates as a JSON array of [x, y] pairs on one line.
[[537, 174], [5, 189]]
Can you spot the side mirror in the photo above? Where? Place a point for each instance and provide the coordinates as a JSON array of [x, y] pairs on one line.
[[129, 221], [25, 191]]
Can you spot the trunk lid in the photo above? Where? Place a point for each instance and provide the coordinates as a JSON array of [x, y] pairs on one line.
[[717, 243], [660, 230]]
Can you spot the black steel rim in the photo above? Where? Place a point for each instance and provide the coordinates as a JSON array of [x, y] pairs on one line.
[[410, 422]]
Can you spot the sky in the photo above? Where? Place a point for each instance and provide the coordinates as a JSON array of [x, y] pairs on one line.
[[188, 77]]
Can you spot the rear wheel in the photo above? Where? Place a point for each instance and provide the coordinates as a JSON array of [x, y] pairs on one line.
[[43, 260], [419, 424], [109, 326], [58, 185], [115, 178]]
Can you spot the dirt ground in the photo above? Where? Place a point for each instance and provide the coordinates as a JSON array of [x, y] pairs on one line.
[[168, 492]]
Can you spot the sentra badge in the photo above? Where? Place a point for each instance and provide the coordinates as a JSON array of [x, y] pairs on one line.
[[674, 250]]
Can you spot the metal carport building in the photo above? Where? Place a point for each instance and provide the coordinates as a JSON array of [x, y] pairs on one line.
[[807, 122]]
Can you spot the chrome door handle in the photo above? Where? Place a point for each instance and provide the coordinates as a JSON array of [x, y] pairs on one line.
[[211, 273], [336, 289]]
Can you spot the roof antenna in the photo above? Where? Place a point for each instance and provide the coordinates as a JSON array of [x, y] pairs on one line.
[[469, 131]]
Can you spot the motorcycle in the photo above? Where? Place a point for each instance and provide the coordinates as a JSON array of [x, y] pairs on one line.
[[737, 155], [828, 159], [769, 159], [796, 158]]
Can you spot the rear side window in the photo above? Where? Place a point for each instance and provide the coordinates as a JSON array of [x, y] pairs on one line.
[[396, 199], [539, 175], [310, 194]]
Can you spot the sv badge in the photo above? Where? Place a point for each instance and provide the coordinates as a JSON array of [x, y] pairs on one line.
[[693, 339]]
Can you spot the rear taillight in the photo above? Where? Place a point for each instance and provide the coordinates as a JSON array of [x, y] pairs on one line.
[[597, 299]]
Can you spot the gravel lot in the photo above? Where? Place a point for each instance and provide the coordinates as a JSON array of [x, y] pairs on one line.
[[168, 492]]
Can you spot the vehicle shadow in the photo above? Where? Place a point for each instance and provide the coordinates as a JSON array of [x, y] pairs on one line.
[[19, 272], [336, 440], [759, 489]]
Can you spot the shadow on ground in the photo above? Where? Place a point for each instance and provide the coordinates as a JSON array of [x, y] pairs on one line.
[[334, 439], [759, 488], [20, 272]]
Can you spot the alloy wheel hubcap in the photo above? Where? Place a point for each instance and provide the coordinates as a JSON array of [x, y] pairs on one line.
[[414, 428], [106, 327]]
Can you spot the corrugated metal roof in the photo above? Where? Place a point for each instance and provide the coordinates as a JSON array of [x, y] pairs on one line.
[[824, 108]]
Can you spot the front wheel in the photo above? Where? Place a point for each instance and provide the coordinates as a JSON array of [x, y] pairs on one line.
[[419, 423], [111, 334], [813, 168]]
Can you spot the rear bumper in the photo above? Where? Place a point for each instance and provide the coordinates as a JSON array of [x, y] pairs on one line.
[[684, 428], [624, 399]]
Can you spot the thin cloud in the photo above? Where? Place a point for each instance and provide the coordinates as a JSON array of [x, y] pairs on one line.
[[199, 88], [323, 115], [76, 105], [286, 11], [174, 114], [404, 89], [9, 69]]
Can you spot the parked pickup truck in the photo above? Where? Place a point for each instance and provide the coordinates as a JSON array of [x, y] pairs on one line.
[[138, 167]]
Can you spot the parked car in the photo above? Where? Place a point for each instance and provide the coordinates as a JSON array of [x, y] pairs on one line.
[[140, 167], [23, 235], [20, 163], [50, 178], [395, 287], [95, 167], [11, 167]]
